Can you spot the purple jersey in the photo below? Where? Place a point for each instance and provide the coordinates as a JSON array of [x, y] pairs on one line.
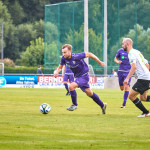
[[76, 64], [123, 56], [68, 70]]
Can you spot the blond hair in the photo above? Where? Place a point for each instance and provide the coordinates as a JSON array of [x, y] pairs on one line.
[[67, 46]]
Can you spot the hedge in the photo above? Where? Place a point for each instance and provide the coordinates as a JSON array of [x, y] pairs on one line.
[[20, 69]]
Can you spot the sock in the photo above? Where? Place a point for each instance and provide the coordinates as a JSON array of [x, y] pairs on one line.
[[74, 97], [139, 105], [126, 93], [97, 100], [148, 98], [66, 86]]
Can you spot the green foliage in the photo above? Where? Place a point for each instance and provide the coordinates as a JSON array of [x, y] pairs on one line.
[[16, 11], [20, 70], [4, 15], [51, 34], [142, 37], [34, 54], [39, 28], [25, 33]]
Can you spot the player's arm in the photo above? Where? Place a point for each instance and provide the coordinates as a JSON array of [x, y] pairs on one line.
[[147, 65], [91, 55], [116, 60], [56, 72], [63, 70], [132, 70]]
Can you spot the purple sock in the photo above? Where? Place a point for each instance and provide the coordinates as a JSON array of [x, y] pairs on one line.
[[126, 93], [74, 97], [97, 100], [66, 86]]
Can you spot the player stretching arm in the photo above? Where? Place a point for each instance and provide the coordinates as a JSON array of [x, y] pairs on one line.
[[81, 72]]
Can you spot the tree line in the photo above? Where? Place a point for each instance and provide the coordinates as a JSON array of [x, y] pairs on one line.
[[23, 25], [24, 28]]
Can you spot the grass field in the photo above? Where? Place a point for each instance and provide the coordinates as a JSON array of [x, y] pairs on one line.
[[23, 127]]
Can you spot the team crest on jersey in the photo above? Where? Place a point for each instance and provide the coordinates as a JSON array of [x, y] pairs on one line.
[[73, 62], [122, 57]]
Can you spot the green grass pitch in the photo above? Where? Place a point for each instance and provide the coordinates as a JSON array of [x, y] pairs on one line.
[[23, 127]]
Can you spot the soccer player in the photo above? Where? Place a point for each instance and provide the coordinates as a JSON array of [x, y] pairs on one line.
[[124, 68], [80, 69], [68, 75], [142, 86]]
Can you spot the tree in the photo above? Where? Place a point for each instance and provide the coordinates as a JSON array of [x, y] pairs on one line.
[[16, 11], [34, 54], [25, 33], [10, 41], [141, 39], [38, 26]]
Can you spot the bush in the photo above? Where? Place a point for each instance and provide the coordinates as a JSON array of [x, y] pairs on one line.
[[20, 70], [8, 62]]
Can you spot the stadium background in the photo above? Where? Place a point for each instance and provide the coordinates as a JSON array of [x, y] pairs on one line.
[[64, 23]]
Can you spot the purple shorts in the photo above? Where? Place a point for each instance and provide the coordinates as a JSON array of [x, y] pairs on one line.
[[122, 76], [83, 82], [69, 77]]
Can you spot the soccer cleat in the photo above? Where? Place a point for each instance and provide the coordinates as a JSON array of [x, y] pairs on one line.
[[72, 107], [104, 108], [122, 106], [68, 93], [144, 115]]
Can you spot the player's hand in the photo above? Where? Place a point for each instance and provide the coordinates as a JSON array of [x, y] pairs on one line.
[[126, 81], [55, 73], [119, 62], [102, 64]]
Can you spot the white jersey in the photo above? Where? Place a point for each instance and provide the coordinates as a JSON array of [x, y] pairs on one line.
[[142, 71]]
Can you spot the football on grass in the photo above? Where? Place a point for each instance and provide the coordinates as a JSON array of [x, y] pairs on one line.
[[45, 108]]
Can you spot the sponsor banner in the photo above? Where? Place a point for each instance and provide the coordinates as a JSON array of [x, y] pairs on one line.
[[52, 82], [18, 81], [43, 82]]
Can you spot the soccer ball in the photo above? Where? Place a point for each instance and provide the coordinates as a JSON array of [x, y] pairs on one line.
[[45, 108]]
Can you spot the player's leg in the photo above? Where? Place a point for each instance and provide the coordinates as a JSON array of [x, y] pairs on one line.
[[126, 89], [145, 97], [95, 98], [145, 87], [66, 84], [73, 94], [122, 87], [126, 94], [120, 80], [133, 97]]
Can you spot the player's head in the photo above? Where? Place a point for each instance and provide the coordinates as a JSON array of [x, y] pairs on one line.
[[127, 44], [66, 51]]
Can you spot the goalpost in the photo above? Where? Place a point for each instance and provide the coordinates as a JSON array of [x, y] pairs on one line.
[[1, 69]]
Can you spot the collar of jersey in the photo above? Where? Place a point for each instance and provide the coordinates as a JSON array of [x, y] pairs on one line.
[[130, 50]]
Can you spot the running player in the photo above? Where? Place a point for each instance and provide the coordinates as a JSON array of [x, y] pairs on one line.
[[142, 86], [124, 68], [80, 69]]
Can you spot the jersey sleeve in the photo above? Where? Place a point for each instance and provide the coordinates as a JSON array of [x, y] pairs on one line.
[[118, 54], [62, 61], [132, 58], [79, 56]]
